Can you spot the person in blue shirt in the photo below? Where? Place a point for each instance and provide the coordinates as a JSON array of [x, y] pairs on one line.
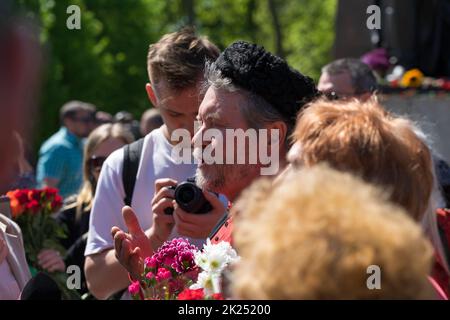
[[61, 156]]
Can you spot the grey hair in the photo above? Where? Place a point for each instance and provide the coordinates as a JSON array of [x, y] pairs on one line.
[[362, 77], [256, 110]]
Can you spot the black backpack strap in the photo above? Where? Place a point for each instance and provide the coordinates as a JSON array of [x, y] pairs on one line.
[[131, 157]]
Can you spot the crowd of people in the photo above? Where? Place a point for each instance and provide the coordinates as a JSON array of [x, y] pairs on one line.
[[356, 187]]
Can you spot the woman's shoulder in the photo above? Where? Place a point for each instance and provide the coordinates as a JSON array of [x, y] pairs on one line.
[[69, 209], [70, 203]]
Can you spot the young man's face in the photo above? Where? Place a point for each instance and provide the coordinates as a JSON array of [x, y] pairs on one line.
[[178, 108]]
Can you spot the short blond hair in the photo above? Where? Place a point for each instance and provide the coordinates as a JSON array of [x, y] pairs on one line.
[[179, 58], [313, 235]]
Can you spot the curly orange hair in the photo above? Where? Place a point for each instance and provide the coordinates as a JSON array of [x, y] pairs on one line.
[[313, 235], [366, 140]]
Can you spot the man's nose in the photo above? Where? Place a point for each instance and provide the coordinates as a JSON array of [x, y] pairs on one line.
[[197, 139]]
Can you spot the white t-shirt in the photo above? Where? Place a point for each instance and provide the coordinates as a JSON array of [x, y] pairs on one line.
[[155, 163]]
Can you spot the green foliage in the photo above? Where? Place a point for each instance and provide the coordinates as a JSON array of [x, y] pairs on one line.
[[105, 62]]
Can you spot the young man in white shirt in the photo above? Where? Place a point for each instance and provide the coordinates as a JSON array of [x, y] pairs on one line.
[[175, 66]]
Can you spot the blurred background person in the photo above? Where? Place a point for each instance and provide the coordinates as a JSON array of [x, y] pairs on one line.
[[127, 120], [75, 215], [338, 227], [61, 156], [103, 117], [347, 78], [364, 139], [150, 120]]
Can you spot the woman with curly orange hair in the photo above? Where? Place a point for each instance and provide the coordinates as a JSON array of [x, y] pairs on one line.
[[364, 139]]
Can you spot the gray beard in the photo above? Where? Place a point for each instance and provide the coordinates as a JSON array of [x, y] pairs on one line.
[[216, 180], [211, 182]]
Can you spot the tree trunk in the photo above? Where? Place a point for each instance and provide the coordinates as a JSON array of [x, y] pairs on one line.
[[250, 21], [189, 9], [277, 28]]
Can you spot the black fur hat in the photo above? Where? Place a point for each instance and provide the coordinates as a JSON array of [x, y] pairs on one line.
[[252, 68]]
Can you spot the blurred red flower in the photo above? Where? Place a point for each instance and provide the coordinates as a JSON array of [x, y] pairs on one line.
[[33, 206], [188, 294]]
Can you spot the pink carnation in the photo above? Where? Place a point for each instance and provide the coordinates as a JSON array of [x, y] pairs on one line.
[[134, 288], [150, 262], [163, 274]]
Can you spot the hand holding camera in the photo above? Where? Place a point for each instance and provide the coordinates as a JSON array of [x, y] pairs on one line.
[[190, 198], [193, 211], [163, 223]]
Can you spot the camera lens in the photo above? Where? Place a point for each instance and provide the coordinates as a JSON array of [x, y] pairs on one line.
[[190, 198], [186, 194]]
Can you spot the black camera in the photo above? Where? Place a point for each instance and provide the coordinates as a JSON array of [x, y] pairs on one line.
[[190, 198]]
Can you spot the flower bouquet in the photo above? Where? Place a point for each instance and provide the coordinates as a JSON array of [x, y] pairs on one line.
[[33, 211], [179, 271]]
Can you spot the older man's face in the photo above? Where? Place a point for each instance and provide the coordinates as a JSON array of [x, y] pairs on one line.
[[221, 110]]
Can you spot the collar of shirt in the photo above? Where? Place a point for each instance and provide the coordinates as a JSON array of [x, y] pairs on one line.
[[70, 137]]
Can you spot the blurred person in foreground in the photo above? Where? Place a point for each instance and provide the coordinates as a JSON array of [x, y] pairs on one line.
[[75, 215], [339, 230], [24, 177], [175, 67], [61, 156], [248, 89], [383, 149], [150, 120], [20, 61]]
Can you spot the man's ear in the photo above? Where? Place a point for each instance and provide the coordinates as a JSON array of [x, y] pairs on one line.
[[282, 132], [151, 95]]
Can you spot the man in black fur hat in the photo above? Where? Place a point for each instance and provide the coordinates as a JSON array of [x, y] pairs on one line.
[[248, 88]]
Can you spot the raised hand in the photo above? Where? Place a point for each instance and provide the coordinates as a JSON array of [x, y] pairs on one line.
[[133, 246]]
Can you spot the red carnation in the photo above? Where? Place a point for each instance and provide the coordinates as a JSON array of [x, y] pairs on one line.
[[56, 203], [21, 196], [50, 193], [34, 195], [33, 206], [188, 294]]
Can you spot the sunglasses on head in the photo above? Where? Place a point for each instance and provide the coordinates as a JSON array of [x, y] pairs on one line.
[[96, 162]]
